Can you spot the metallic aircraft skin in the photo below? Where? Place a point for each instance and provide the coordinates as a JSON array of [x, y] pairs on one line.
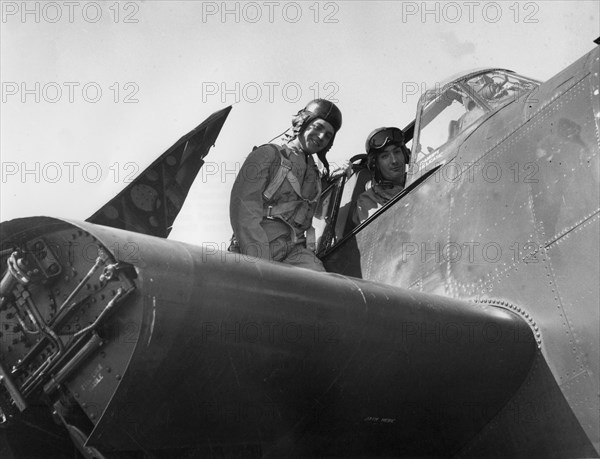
[[144, 347], [290, 362], [512, 219]]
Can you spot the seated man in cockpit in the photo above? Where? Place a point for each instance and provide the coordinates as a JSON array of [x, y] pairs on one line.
[[387, 159], [473, 113]]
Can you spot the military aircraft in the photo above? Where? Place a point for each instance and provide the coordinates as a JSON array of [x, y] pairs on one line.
[[459, 320]]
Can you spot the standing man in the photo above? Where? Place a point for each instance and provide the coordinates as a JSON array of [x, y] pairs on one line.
[[276, 191], [387, 158]]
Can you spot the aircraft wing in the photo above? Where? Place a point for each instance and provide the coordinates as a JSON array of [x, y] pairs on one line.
[[150, 203]]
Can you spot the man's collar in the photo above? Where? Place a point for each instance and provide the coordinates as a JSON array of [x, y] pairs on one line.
[[387, 185], [292, 148]]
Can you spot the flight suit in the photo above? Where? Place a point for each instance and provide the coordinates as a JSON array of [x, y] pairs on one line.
[[265, 228], [374, 198]]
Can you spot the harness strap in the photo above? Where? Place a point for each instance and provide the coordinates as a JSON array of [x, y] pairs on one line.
[[285, 172], [271, 213], [276, 212], [294, 182], [279, 209], [285, 167]]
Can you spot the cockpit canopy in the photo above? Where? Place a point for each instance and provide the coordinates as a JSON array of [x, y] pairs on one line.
[[445, 117], [452, 109]]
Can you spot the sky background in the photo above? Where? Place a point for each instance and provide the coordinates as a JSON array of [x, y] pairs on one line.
[[93, 92]]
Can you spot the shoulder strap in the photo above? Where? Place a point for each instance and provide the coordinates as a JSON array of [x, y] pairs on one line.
[[284, 171], [294, 182]]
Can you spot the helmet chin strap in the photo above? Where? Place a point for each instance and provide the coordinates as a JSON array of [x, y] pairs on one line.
[[296, 138]]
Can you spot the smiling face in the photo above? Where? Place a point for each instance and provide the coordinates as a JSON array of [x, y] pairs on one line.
[[392, 164], [316, 136]]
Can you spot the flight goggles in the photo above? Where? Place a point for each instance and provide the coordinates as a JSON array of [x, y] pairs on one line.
[[381, 137]]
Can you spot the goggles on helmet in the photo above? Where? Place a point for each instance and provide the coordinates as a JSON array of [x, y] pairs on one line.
[[381, 137]]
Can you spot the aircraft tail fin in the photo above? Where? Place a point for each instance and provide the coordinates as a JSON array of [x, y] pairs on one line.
[[150, 203]]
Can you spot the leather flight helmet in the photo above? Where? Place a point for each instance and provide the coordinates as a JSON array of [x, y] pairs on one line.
[[376, 142], [379, 138]]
